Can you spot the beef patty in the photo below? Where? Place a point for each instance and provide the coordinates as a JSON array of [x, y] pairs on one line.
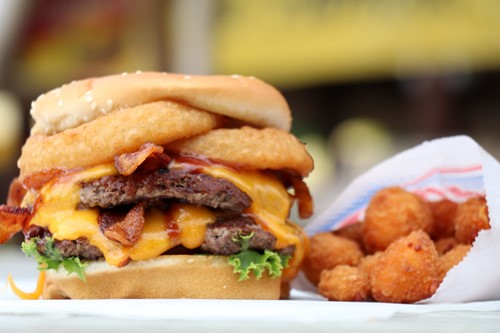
[[220, 235], [219, 239], [194, 188]]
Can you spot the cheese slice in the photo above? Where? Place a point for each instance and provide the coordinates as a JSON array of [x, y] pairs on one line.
[[270, 201], [270, 209], [182, 224]]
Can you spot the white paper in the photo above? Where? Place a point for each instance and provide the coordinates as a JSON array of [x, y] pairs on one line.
[[454, 168], [303, 308], [297, 310]]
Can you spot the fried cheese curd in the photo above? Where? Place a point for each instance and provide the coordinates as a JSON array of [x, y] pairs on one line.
[[348, 283], [443, 217], [452, 258], [368, 262], [443, 245], [353, 232], [344, 283], [411, 267], [326, 251], [392, 213], [471, 217], [407, 271]]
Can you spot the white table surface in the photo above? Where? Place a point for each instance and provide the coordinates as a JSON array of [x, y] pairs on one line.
[[298, 315]]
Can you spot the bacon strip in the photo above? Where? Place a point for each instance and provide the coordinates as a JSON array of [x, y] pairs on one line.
[[16, 193], [303, 196], [127, 229], [129, 162], [38, 179], [12, 220]]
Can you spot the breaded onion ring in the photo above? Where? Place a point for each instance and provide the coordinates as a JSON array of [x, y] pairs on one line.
[[93, 143], [251, 148]]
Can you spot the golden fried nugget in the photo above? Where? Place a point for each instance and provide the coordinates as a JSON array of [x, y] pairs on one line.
[[368, 262], [443, 218], [344, 283], [393, 213], [353, 232], [452, 258], [407, 271], [326, 251], [446, 244], [472, 216]]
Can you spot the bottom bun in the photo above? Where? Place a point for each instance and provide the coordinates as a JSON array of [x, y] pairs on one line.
[[168, 276]]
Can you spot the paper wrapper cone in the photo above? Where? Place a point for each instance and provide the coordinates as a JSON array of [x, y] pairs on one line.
[[455, 168]]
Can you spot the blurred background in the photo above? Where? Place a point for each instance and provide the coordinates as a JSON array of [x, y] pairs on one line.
[[365, 79]]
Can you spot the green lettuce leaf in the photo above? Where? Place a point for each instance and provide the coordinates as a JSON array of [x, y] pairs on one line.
[[53, 259], [250, 261]]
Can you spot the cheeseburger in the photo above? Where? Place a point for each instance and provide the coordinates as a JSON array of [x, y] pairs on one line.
[[156, 185]]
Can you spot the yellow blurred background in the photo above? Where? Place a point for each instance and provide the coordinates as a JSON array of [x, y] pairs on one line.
[[364, 78]]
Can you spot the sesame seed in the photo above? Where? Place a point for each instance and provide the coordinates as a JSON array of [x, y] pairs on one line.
[[138, 72], [190, 261], [88, 96], [85, 118], [235, 76], [60, 103], [103, 110], [109, 103], [187, 77], [124, 74], [93, 106]]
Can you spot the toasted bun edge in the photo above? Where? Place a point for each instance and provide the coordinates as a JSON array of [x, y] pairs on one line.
[[167, 276]]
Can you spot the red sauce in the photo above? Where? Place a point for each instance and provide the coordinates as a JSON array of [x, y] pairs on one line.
[[171, 226], [194, 162]]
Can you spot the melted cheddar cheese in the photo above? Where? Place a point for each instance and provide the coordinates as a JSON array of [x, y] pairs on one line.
[[183, 223]]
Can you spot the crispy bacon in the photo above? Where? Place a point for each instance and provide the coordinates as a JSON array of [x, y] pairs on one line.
[[12, 220], [38, 179], [16, 193], [129, 162], [303, 197], [155, 162], [123, 228]]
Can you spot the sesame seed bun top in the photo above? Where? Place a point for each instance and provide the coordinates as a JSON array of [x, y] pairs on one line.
[[246, 99]]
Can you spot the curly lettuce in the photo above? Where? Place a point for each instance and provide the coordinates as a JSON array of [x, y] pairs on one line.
[[52, 257], [249, 261]]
